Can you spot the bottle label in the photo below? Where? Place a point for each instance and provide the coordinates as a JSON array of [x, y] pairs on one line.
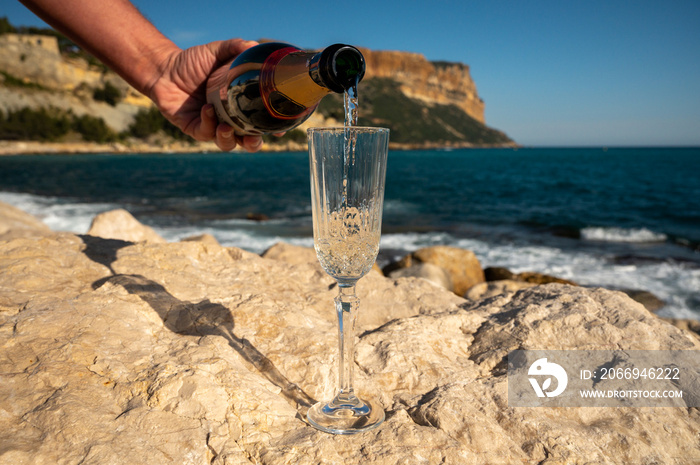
[[283, 75]]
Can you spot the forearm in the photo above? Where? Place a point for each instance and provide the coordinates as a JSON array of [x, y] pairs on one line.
[[115, 32]]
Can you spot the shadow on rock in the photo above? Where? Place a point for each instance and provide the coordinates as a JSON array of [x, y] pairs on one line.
[[204, 318], [103, 251]]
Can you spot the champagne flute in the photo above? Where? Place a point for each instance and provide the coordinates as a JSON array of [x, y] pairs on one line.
[[348, 169]]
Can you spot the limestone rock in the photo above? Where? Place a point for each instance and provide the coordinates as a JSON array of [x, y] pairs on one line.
[[381, 300], [495, 288], [40, 268], [206, 238], [120, 224], [190, 352], [461, 264], [692, 326], [646, 298], [499, 273], [292, 254], [540, 278], [433, 273], [445, 83], [502, 275], [12, 218]]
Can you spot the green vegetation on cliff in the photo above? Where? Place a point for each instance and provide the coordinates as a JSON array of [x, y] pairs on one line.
[[44, 124], [412, 121], [108, 94], [150, 122], [52, 124]]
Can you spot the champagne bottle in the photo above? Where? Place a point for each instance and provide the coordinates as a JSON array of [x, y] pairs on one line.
[[274, 87]]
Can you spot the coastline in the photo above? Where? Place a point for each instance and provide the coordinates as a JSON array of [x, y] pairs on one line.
[[427, 205], [9, 148]]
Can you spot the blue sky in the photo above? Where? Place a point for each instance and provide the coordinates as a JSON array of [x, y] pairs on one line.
[[551, 73]]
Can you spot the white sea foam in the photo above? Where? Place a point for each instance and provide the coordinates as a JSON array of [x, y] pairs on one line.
[[676, 283], [248, 239], [57, 215], [621, 235], [413, 241]]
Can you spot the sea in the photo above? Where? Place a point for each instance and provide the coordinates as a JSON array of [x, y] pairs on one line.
[[620, 218]]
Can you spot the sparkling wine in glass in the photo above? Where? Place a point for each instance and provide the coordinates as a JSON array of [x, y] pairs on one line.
[[348, 169]]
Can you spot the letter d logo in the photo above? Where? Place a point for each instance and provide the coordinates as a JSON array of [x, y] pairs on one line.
[[542, 367]]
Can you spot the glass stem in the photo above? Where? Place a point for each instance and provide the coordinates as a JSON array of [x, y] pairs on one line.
[[346, 305]]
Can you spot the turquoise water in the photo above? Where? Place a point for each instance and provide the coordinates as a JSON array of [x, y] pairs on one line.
[[618, 217]]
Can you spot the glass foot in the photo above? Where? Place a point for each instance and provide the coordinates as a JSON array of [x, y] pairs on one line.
[[346, 417]]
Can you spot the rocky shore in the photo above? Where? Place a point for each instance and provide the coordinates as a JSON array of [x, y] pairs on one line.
[[70, 148], [119, 347]]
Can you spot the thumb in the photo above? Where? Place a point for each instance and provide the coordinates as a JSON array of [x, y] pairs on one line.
[[224, 50]]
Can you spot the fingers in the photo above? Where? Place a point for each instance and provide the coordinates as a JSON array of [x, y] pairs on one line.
[[208, 124], [210, 129], [225, 137], [239, 45], [252, 143], [224, 50]]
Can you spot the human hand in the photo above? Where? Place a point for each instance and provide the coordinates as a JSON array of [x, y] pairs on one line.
[[179, 92]]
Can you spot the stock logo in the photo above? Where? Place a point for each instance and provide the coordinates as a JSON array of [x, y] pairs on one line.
[[541, 368]]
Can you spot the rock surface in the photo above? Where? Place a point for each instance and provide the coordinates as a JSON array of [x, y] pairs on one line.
[[14, 219], [499, 274], [462, 265], [646, 298], [116, 352], [120, 224], [433, 273], [505, 280], [693, 326], [495, 288]]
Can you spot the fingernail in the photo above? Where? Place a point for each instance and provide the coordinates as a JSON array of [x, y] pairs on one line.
[[210, 111], [227, 134]]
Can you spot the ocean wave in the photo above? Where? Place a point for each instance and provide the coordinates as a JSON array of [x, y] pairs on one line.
[[58, 214], [251, 240], [398, 206], [673, 281], [615, 234]]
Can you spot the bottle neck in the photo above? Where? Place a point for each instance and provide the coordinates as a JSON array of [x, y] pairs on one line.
[[293, 82], [337, 68]]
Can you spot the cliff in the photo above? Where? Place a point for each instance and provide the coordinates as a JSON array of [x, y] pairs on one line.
[[37, 61], [424, 104], [442, 83]]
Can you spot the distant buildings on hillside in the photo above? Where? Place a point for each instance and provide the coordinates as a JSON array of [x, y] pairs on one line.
[[48, 43]]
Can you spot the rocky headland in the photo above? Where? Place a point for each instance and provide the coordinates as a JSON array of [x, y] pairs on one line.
[[426, 104], [119, 347]]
